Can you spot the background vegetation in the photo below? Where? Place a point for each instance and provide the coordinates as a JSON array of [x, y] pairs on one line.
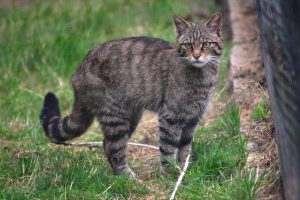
[[40, 47]]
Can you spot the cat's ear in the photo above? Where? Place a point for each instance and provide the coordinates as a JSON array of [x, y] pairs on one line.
[[215, 23], [181, 24]]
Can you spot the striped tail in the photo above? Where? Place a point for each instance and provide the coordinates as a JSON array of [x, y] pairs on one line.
[[61, 129]]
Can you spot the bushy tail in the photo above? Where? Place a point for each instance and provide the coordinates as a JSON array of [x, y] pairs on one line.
[[50, 118], [61, 129]]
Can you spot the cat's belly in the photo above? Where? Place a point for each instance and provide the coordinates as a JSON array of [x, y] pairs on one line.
[[147, 101]]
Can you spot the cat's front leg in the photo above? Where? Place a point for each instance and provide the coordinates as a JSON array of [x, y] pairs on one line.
[[169, 140], [185, 146]]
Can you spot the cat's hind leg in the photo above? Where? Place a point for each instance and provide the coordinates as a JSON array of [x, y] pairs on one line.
[[118, 124], [60, 129]]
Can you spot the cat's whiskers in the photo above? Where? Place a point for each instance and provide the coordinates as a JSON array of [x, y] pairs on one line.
[[215, 60]]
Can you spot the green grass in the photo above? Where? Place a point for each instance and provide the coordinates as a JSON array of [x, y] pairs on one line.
[[261, 110], [40, 47], [63, 173], [219, 156], [231, 121]]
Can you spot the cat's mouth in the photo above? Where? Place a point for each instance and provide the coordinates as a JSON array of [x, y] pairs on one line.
[[198, 63]]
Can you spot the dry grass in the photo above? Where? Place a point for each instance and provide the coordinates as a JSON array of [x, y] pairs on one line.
[[265, 158], [263, 151]]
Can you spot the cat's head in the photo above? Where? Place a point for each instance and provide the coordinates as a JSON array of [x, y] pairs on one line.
[[200, 43]]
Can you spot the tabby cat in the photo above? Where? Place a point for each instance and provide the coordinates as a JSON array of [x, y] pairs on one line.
[[118, 80]]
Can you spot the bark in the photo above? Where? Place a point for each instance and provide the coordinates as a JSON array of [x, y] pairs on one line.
[[279, 22]]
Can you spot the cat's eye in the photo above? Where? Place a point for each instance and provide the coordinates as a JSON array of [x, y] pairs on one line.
[[188, 45], [207, 44]]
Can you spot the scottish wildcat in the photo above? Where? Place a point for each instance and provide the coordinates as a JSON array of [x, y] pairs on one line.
[[119, 79]]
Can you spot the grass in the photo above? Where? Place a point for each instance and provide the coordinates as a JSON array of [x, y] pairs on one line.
[[47, 174], [219, 156], [40, 47], [261, 110]]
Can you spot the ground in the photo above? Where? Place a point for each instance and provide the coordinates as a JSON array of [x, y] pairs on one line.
[[250, 93], [41, 45]]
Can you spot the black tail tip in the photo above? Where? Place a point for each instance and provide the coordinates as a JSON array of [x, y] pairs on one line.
[[50, 108], [50, 100]]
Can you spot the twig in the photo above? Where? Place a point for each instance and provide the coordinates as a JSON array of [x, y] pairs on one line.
[[186, 164], [257, 174], [143, 145], [107, 188], [99, 144]]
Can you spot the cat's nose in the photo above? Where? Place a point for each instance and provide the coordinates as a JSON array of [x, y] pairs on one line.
[[196, 56]]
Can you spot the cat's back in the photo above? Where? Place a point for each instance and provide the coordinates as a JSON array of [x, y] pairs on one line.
[[119, 55], [141, 41], [128, 57], [132, 46]]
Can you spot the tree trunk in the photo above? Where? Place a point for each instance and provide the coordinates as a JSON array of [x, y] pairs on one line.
[[279, 22]]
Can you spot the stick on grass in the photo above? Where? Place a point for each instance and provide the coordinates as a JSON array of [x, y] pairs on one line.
[[186, 164], [99, 144]]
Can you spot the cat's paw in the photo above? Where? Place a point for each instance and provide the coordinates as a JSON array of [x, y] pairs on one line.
[[131, 174], [126, 172]]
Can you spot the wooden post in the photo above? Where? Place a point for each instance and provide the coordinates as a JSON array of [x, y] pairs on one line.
[[279, 22]]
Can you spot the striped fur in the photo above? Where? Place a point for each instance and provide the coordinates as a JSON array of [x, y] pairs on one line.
[[118, 80]]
